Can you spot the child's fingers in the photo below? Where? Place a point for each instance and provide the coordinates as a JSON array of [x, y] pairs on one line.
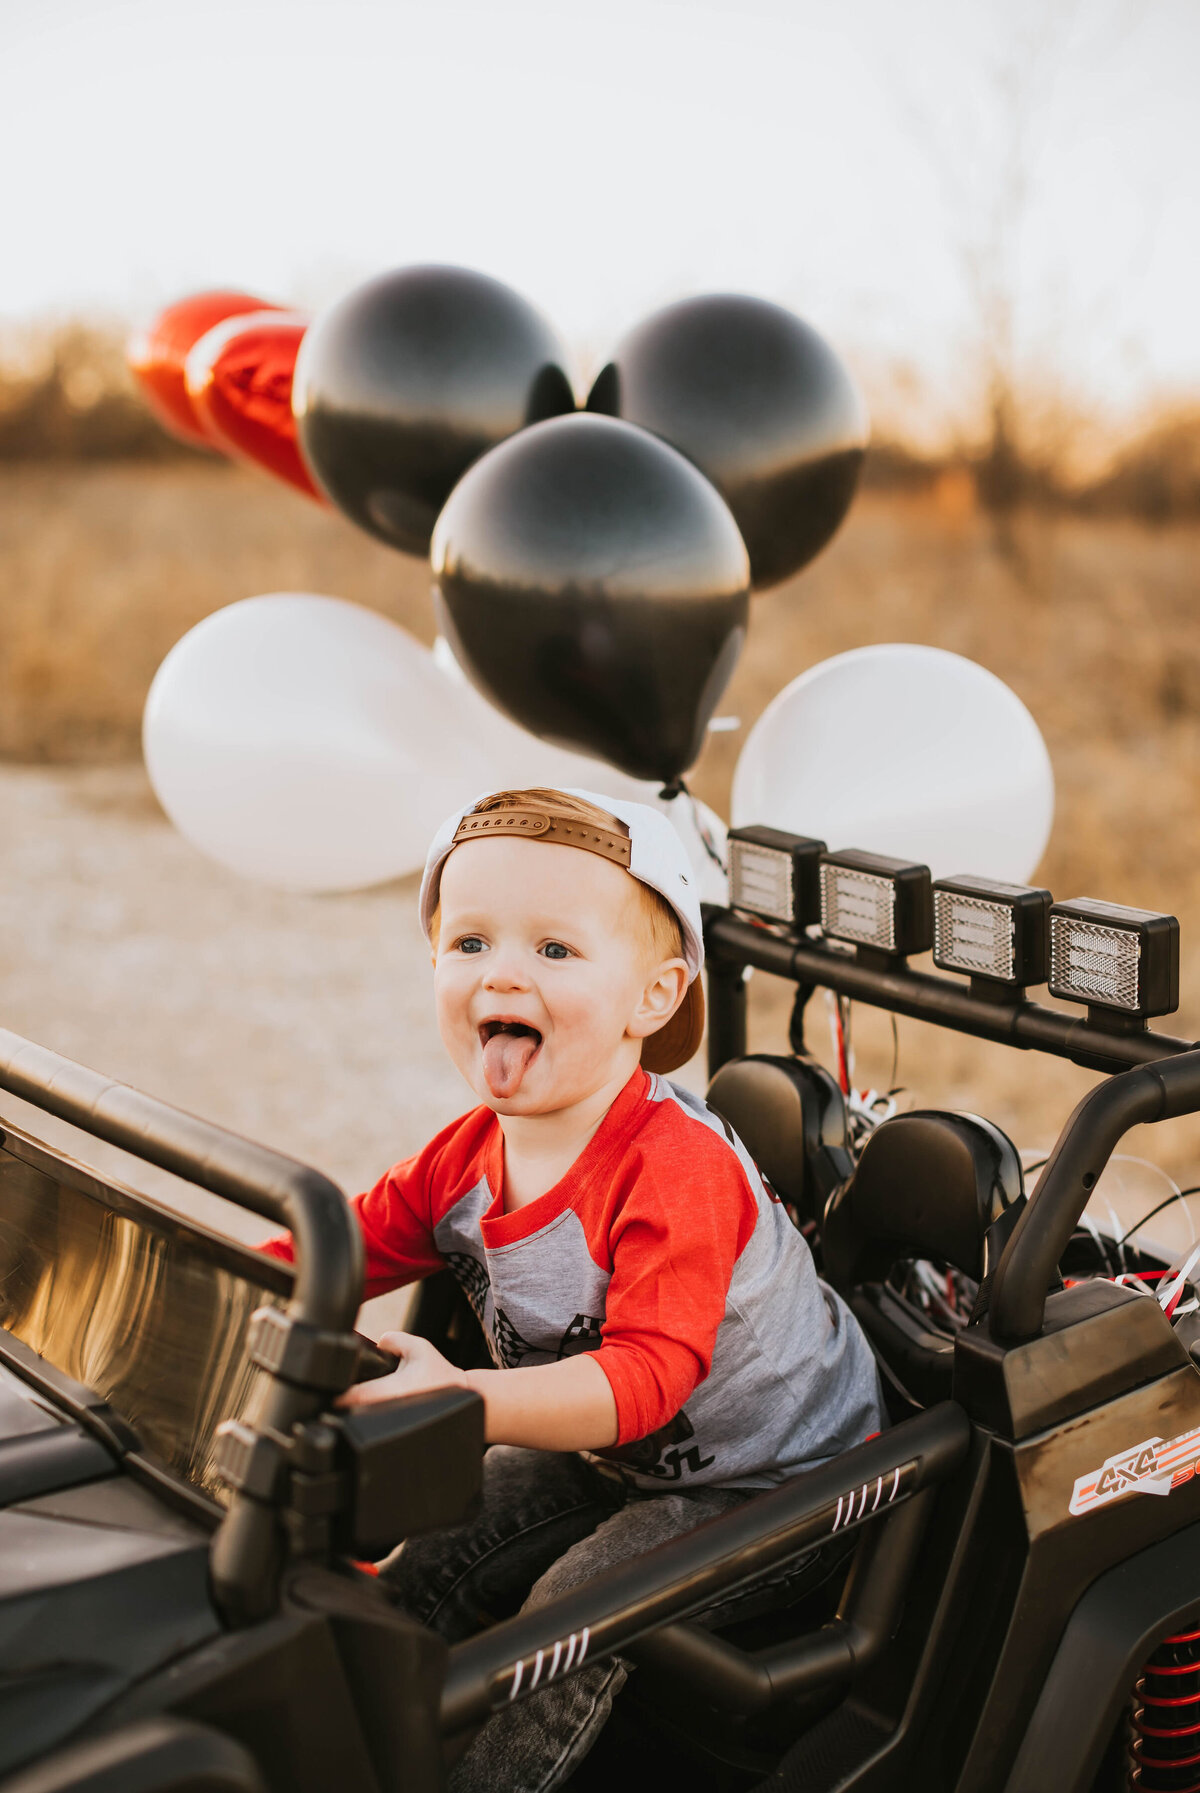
[[420, 1366], [382, 1388]]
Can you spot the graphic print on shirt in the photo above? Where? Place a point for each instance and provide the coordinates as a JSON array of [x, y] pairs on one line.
[[659, 1454], [583, 1334], [457, 1238], [531, 1296], [509, 1347], [472, 1278]]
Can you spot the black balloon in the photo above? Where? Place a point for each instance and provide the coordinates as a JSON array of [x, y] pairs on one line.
[[595, 587], [410, 378], [761, 404]]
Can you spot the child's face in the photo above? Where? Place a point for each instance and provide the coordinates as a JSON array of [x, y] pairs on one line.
[[552, 942]]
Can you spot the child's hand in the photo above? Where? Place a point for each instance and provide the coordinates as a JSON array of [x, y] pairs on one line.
[[565, 1406], [421, 1367]]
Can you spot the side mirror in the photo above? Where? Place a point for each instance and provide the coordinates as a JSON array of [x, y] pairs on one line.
[[358, 1481], [411, 1465]]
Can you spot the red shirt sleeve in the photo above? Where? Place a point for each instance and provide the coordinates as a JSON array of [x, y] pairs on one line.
[[397, 1216], [674, 1243]]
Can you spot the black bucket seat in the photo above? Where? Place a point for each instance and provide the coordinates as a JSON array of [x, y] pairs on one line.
[[791, 1116], [929, 1184], [935, 1185]]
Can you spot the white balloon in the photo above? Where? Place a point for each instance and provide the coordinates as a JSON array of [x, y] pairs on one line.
[[308, 743], [904, 750], [443, 659]]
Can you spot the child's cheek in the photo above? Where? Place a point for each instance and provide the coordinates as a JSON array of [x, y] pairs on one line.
[[451, 995], [584, 1011]]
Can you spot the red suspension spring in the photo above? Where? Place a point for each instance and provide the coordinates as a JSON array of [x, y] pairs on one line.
[[1164, 1719]]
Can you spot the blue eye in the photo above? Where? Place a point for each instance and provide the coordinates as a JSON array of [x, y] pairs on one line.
[[554, 949], [470, 943]]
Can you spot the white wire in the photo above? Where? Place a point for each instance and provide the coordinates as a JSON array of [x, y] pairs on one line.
[[1129, 1279], [1173, 1186], [831, 1010], [705, 833], [1089, 1226], [872, 1106], [1167, 1293]]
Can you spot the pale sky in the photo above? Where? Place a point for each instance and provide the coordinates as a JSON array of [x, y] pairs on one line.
[[604, 158]]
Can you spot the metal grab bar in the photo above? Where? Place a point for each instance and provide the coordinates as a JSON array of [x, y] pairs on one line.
[[1154, 1092], [248, 1548], [515, 1658], [746, 1682], [329, 1267]]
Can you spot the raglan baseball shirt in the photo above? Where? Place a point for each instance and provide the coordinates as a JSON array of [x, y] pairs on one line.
[[662, 1252]]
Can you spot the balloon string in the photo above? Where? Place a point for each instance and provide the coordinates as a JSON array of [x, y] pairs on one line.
[[668, 794]]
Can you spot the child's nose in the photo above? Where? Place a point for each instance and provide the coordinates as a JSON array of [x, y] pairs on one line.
[[505, 971]]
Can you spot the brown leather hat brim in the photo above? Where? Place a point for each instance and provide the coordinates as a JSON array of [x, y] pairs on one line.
[[677, 1042]]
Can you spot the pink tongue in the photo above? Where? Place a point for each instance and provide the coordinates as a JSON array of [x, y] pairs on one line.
[[506, 1059]]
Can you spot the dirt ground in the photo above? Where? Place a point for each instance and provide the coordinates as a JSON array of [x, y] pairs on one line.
[[306, 1022]]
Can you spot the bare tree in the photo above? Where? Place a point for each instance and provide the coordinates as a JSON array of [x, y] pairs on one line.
[[987, 168]]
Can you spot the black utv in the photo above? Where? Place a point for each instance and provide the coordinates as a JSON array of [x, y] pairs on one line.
[[187, 1524]]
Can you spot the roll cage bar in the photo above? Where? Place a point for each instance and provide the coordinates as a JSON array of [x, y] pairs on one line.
[[884, 1479]]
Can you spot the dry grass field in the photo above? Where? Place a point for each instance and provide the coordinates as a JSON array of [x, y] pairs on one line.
[[1094, 623]]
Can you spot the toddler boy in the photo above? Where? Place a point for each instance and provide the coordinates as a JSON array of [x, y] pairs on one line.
[[662, 1342]]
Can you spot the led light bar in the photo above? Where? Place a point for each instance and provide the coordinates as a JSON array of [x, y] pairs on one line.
[[991, 930], [876, 902], [1114, 958], [774, 875]]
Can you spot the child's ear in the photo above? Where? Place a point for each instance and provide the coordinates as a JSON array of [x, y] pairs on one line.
[[661, 996]]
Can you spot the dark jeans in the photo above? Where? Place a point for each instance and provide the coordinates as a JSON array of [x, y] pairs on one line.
[[549, 1521]]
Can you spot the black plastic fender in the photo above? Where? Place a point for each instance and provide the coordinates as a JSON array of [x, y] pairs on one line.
[[1108, 1637], [160, 1755]]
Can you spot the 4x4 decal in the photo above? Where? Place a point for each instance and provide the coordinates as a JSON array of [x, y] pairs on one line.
[[1155, 1466]]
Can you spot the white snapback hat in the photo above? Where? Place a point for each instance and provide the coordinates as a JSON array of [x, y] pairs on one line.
[[645, 845]]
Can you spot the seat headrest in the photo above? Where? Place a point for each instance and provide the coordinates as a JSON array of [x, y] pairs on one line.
[[927, 1185], [790, 1115]]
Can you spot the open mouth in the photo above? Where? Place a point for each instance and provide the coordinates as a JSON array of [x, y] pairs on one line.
[[509, 1047], [502, 1024]]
